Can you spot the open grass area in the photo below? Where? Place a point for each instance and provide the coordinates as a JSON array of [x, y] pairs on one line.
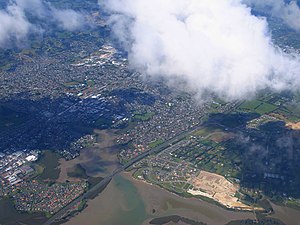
[[288, 115], [206, 131], [265, 108], [293, 203], [90, 83], [143, 116], [250, 105], [258, 107], [294, 110], [156, 143]]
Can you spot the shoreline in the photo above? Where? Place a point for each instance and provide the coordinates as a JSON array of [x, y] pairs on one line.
[[284, 213]]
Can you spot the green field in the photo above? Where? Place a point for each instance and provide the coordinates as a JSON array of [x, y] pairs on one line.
[[156, 143], [265, 108], [90, 83], [257, 106], [250, 105], [288, 115], [294, 110], [143, 116], [206, 131]]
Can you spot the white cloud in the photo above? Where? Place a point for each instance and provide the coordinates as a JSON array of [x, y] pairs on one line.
[[213, 45], [15, 25], [69, 19], [288, 12]]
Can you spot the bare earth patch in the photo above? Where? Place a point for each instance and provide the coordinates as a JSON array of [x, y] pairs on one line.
[[220, 136], [218, 188], [293, 126]]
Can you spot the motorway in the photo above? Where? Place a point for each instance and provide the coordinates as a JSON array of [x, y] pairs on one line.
[[102, 184]]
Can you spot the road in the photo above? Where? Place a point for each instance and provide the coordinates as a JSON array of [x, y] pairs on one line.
[[102, 184]]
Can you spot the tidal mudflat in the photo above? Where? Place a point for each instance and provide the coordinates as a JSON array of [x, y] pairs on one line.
[[129, 201], [119, 204], [98, 161]]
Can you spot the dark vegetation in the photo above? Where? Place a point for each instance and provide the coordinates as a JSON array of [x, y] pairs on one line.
[[231, 121], [174, 219], [10, 116], [134, 95], [266, 158], [38, 124]]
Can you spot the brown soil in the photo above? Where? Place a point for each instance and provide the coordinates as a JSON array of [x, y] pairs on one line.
[[293, 126], [166, 204], [217, 187]]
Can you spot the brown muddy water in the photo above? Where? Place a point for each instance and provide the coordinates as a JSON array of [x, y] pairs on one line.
[[99, 160], [287, 215], [126, 201], [118, 204]]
